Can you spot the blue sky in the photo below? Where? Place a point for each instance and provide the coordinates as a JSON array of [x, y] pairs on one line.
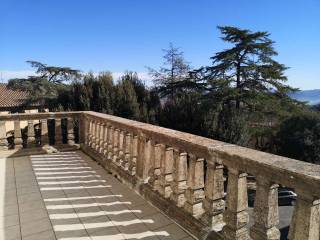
[[121, 35]]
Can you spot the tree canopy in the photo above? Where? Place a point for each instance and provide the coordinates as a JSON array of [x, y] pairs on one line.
[[45, 85], [241, 97]]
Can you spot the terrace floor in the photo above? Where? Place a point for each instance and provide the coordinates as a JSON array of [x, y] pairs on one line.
[[69, 196]]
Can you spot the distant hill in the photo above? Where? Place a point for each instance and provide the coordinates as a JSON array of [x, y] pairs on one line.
[[310, 96]]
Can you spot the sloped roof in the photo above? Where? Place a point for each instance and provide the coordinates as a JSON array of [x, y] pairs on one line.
[[11, 98]]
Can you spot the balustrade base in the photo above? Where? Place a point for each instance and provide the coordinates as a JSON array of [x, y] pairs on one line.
[[234, 234], [268, 234], [169, 207], [110, 166]]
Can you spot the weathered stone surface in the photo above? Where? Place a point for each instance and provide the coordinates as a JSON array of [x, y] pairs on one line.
[[213, 203], [44, 132], [3, 136], [179, 184], [70, 131], [266, 213], [31, 136], [155, 175], [305, 222], [17, 135], [166, 178], [236, 216], [195, 191]]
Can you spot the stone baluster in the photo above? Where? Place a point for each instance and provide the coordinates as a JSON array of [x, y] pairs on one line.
[[195, 192], [106, 140], [44, 132], [58, 131], [115, 150], [31, 136], [236, 216], [90, 135], [213, 204], [179, 184], [127, 151], [305, 223], [103, 133], [145, 154], [134, 155], [266, 213], [110, 143], [93, 134], [17, 135], [156, 165], [97, 136], [120, 159], [3, 136], [167, 173], [70, 131]]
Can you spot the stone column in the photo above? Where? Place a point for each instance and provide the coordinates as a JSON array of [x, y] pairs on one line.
[[31, 136], [106, 140], [110, 143], [134, 155], [97, 137], [103, 133], [3, 136], [93, 134], [90, 132], [70, 133], [236, 216], [145, 154], [17, 135], [115, 150], [195, 192], [266, 213], [306, 218], [44, 132], [159, 154], [100, 137], [179, 184], [213, 204], [121, 148], [127, 151], [167, 173]]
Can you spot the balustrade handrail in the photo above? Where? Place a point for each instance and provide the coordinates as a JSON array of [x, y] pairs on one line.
[[37, 116], [289, 172], [283, 170]]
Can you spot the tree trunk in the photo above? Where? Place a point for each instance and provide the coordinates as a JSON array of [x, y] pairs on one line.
[[238, 86]]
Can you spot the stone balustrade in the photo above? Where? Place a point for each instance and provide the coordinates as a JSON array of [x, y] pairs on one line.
[[38, 121], [201, 183]]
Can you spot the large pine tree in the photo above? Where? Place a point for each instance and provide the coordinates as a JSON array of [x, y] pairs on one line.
[[247, 69], [45, 86]]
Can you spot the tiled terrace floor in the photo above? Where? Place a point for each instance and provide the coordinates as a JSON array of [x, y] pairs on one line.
[[68, 196]]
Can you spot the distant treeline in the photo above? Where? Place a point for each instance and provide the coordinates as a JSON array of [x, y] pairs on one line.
[[242, 97]]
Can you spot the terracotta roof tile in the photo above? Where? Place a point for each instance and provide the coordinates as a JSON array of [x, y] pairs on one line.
[[11, 98]]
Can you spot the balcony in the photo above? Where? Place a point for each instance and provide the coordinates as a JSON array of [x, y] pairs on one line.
[[87, 175]]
